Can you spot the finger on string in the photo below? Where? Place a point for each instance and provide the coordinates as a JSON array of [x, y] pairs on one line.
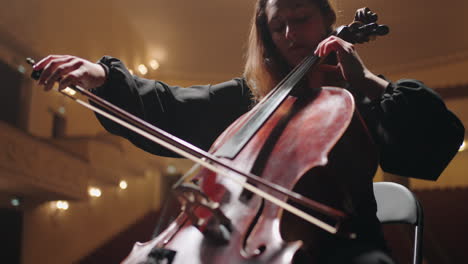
[[50, 68], [319, 47], [61, 71], [333, 44], [318, 50]]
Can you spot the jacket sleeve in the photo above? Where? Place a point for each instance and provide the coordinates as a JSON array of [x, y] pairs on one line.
[[417, 135], [196, 114]]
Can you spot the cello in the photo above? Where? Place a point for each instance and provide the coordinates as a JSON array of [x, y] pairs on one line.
[[236, 219]]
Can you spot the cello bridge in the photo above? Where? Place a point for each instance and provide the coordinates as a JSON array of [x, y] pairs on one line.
[[194, 202]]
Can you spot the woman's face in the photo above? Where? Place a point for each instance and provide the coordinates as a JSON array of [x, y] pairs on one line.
[[296, 27]]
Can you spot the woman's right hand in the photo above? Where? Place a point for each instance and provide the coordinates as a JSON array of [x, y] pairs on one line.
[[69, 70]]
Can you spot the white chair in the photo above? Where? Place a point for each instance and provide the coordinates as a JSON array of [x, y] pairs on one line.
[[397, 204]]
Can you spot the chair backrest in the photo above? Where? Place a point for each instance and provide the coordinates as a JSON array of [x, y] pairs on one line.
[[397, 204]]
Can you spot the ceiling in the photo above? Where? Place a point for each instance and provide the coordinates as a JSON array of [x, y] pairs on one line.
[[207, 37], [205, 40]]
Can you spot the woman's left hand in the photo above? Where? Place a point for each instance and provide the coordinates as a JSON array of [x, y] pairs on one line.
[[351, 66]]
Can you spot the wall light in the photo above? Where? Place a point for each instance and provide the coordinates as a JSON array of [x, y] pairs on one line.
[[62, 205], [61, 110], [171, 169], [94, 192], [123, 185], [21, 69], [154, 64], [15, 201], [142, 69]]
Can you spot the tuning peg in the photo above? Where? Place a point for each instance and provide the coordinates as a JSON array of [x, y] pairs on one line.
[[382, 30], [365, 16]]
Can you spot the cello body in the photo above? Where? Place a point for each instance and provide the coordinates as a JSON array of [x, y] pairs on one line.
[[306, 145], [310, 139]]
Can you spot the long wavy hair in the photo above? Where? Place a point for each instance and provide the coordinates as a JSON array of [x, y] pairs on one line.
[[264, 67]]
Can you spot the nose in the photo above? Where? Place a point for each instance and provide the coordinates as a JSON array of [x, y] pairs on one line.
[[290, 33]]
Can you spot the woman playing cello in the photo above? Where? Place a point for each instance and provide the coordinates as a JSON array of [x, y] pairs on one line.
[[400, 116]]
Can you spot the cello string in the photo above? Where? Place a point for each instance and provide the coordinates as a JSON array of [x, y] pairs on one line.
[[301, 67], [257, 117], [186, 175], [194, 151], [313, 220]]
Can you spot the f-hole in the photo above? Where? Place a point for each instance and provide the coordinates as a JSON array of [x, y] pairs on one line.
[[270, 143], [255, 220]]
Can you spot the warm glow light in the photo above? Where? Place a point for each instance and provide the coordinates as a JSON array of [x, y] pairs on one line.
[[463, 146], [61, 205], [154, 64], [142, 69], [94, 192], [69, 91], [130, 71], [123, 185], [171, 169]]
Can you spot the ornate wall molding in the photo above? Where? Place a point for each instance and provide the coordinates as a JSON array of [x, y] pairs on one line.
[[109, 158], [40, 168]]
